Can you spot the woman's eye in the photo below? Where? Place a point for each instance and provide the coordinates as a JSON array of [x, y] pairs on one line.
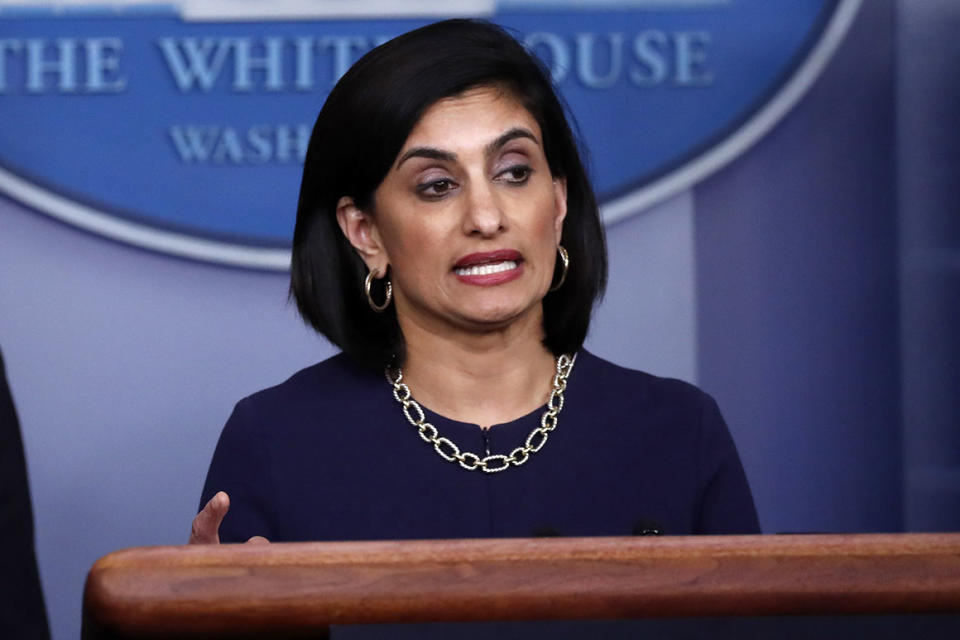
[[517, 175], [436, 188]]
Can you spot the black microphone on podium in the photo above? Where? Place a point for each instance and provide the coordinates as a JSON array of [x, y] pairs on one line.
[[545, 531], [647, 527], [642, 527]]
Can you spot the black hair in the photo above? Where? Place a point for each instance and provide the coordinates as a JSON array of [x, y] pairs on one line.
[[360, 130]]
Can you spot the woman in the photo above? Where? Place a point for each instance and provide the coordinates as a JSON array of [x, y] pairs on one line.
[[447, 234]]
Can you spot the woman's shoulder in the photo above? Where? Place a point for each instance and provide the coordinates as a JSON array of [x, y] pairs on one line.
[[336, 380], [609, 380]]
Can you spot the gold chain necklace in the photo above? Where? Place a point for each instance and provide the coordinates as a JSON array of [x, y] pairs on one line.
[[450, 452]]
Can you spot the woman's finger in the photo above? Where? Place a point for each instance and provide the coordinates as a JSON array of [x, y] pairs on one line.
[[258, 540], [206, 526]]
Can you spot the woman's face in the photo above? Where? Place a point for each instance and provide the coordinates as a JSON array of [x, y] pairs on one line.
[[469, 217]]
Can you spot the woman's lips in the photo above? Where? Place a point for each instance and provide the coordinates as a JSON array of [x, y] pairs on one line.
[[488, 257], [489, 268]]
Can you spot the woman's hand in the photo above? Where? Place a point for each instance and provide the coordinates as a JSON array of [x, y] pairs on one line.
[[206, 526]]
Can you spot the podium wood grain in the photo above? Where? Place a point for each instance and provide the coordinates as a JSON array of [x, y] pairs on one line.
[[300, 589]]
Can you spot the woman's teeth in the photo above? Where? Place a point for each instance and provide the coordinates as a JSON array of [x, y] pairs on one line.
[[486, 269]]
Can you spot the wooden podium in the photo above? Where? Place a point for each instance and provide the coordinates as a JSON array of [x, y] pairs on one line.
[[284, 590]]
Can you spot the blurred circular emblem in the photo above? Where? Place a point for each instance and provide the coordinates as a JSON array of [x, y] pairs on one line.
[[181, 127]]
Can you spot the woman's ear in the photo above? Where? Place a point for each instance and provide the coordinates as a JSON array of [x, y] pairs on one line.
[[360, 230], [560, 204]]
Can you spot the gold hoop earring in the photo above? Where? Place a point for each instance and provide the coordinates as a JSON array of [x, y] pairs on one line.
[[371, 275], [565, 258]]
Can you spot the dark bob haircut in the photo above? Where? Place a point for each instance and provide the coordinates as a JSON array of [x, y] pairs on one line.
[[358, 134]]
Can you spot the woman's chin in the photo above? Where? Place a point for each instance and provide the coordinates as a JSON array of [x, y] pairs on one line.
[[498, 318]]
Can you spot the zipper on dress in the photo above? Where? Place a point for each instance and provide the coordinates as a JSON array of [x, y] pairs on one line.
[[486, 442]]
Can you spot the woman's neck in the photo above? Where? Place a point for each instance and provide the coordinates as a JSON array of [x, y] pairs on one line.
[[479, 378]]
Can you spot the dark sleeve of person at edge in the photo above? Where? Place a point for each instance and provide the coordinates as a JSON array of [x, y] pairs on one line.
[[22, 612]]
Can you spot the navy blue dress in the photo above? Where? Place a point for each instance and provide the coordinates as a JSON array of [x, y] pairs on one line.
[[328, 455]]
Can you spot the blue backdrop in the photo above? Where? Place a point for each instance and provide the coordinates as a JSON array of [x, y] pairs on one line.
[[812, 285]]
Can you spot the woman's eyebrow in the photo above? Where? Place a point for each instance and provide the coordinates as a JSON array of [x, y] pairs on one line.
[[512, 134], [426, 152]]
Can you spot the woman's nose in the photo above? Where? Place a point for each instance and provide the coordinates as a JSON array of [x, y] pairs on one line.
[[484, 215]]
